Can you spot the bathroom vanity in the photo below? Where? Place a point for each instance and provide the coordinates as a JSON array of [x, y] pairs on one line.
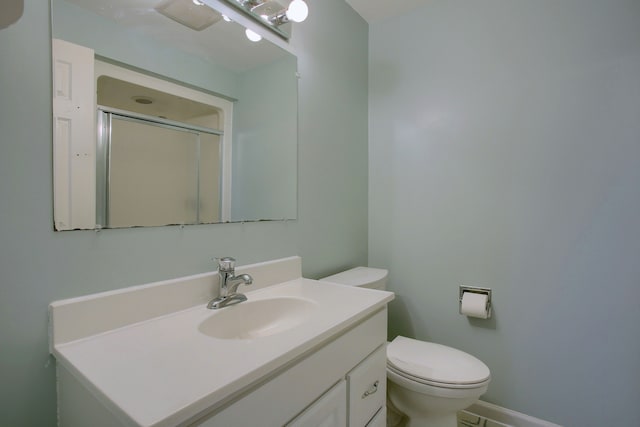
[[298, 352]]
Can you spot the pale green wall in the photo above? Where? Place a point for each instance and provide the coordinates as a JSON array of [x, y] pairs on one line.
[[505, 152], [38, 265]]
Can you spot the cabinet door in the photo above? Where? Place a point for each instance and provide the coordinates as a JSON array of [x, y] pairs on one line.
[[330, 410]]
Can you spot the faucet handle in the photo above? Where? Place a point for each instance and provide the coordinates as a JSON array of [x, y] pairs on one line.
[[226, 264]]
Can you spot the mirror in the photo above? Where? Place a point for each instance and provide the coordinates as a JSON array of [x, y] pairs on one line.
[[165, 113]]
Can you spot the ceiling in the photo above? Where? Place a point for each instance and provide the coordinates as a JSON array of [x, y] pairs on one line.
[[378, 10]]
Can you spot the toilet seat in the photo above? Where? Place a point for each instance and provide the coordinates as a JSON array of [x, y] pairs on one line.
[[435, 365], [435, 391], [420, 383]]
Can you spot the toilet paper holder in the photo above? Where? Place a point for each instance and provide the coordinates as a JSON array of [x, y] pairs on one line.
[[476, 290]]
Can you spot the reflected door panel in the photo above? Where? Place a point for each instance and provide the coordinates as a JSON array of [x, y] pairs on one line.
[[210, 182]]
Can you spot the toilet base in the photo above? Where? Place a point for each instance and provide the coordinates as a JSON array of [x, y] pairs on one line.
[[423, 410], [395, 417]]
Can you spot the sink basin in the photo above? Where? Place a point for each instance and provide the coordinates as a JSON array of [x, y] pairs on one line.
[[258, 318]]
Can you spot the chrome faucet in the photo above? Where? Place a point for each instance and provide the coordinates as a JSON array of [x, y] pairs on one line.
[[229, 283]]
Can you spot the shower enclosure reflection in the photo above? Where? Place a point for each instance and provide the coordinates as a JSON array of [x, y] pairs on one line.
[[161, 157]]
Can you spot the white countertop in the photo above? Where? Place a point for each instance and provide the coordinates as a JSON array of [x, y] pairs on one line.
[[164, 372]]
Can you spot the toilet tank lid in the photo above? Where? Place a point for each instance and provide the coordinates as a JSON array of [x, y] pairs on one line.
[[436, 362], [359, 276]]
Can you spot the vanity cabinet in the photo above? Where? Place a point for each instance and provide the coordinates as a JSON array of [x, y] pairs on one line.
[[368, 387], [301, 352], [329, 410], [361, 396], [342, 382], [380, 419]]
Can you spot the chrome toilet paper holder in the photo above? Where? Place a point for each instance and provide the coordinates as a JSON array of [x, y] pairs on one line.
[[475, 290]]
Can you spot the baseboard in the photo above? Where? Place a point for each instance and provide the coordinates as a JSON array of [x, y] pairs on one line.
[[483, 414]]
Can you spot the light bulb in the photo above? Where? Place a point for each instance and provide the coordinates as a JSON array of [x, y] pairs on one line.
[[252, 35], [297, 11]]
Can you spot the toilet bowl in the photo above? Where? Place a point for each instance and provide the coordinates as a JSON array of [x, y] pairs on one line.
[[427, 382], [431, 382]]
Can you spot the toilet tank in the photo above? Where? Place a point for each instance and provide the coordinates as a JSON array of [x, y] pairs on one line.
[[365, 277]]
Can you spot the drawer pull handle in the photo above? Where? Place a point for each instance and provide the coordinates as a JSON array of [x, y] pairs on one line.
[[371, 390]]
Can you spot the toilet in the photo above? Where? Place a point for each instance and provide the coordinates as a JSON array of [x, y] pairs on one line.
[[427, 382]]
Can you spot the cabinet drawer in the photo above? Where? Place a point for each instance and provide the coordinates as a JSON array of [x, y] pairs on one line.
[[380, 420], [367, 387]]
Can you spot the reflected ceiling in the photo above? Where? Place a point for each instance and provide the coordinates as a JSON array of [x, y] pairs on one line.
[[219, 43]]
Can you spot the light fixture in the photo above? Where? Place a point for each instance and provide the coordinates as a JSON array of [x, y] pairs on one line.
[[226, 18], [141, 99], [252, 35], [264, 7], [273, 14], [297, 11]]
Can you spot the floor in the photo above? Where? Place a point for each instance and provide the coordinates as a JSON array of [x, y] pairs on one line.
[[465, 419], [468, 419]]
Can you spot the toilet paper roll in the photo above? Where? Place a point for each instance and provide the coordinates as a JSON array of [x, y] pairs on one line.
[[474, 305]]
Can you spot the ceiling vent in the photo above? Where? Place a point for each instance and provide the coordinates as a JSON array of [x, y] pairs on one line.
[[187, 12]]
